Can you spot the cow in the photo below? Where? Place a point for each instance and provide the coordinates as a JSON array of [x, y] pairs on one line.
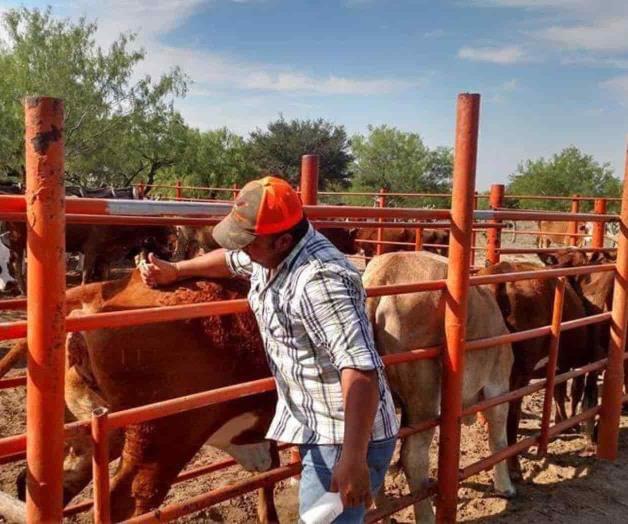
[[127, 367], [556, 232], [416, 320], [100, 245], [528, 304], [403, 239], [193, 241], [7, 282]]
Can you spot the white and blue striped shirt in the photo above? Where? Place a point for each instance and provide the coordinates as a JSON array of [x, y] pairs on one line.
[[313, 324]]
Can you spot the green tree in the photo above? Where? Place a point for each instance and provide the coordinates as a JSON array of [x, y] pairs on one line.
[[118, 128], [399, 161], [279, 149], [567, 173], [216, 158]]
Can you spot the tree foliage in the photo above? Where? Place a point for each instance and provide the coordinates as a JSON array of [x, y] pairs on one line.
[[216, 158], [569, 172], [279, 149], [118, 127], [399, 161]]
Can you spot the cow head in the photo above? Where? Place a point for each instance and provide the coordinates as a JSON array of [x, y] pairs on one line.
[[7, 282]]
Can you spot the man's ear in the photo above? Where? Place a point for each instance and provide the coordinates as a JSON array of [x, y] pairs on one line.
[[283, 242]]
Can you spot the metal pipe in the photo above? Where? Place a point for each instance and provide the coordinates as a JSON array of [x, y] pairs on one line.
[[573, 226], [599, 228], [381, 203], [309, 179], [100, 465], [548, 400], [463, 189], [45, 225], [614, 376], [494, 236]]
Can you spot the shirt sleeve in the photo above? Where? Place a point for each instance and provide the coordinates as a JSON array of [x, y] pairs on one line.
[[332, 307], [239, 263]]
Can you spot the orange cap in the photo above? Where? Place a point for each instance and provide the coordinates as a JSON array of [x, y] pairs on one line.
[[263, 207]]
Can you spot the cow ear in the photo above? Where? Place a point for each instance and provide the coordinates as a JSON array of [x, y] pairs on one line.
[[549, 259]]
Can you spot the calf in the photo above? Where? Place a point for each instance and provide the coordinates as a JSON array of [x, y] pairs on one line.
[[528, 304]]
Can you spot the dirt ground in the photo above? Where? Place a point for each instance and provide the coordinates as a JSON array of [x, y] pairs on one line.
[[568, 486]]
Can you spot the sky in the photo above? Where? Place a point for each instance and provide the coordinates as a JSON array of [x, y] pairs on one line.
[[552, 73]]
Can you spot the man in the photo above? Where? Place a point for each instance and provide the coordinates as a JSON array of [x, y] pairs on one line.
[[333, 397]]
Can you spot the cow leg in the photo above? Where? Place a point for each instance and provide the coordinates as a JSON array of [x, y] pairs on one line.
[[415, 461], [496, 418], [577, 391], [560, 398], [153, 455], [89, 266], [266, 510], [514, 417]]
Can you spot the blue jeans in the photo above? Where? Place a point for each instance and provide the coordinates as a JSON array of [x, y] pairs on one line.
[[318, 462]]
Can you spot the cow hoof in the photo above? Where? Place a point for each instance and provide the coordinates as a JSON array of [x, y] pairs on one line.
[[508, 494]]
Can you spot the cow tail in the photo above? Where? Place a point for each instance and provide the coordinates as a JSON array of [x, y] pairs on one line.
[[17, 352]]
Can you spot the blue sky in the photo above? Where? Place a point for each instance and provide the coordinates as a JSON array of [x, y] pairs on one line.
[[552, 73]]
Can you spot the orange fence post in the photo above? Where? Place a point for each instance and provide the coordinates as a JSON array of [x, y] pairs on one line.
[[574, 239], [418, 239], [614, 376], [100, 465], [309, 180], [381, 202], [45, 222], [548, 400], [599, 228], [178, 189], [468, 112], [235, 191], [141, 190], [494, 234]]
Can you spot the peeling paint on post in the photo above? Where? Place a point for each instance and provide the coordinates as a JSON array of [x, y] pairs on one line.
[[45, 221]]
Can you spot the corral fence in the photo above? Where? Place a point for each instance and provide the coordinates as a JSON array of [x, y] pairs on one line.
[[46, 213]]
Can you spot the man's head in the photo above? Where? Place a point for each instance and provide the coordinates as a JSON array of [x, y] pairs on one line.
[[266, 221]]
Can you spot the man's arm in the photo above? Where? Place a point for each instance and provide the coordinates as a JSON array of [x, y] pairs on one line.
[[360, 391], [160, 272]]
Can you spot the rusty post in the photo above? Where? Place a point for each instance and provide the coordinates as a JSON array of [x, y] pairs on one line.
[[468, 112], [141, 190], [494, 234], [234, 189], [418, 239], [45, 222], [574, 239], [381, 202], [100, 465], [178, 189], [309, 179], [614, 375], [548, 400], [599, 228]]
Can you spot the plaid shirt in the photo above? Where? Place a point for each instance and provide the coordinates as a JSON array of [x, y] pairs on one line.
[[313, 323]]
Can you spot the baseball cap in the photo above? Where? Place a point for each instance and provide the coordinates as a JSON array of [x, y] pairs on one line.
[[263, 207]]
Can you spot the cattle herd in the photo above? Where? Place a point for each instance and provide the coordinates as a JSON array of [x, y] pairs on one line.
[[106, 367]]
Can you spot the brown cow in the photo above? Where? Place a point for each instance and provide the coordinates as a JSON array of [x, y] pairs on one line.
[[127, 367], [416, 320], [554, 232], [101, 245], [404, 239], [193, 241], [528, 304]]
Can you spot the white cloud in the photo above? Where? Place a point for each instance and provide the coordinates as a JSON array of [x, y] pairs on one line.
[[211, 70], [601, 35], [497, 55], [618, 86]]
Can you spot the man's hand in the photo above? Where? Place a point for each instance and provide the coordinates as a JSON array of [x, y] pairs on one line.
[[158, 272], [351, 479]]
